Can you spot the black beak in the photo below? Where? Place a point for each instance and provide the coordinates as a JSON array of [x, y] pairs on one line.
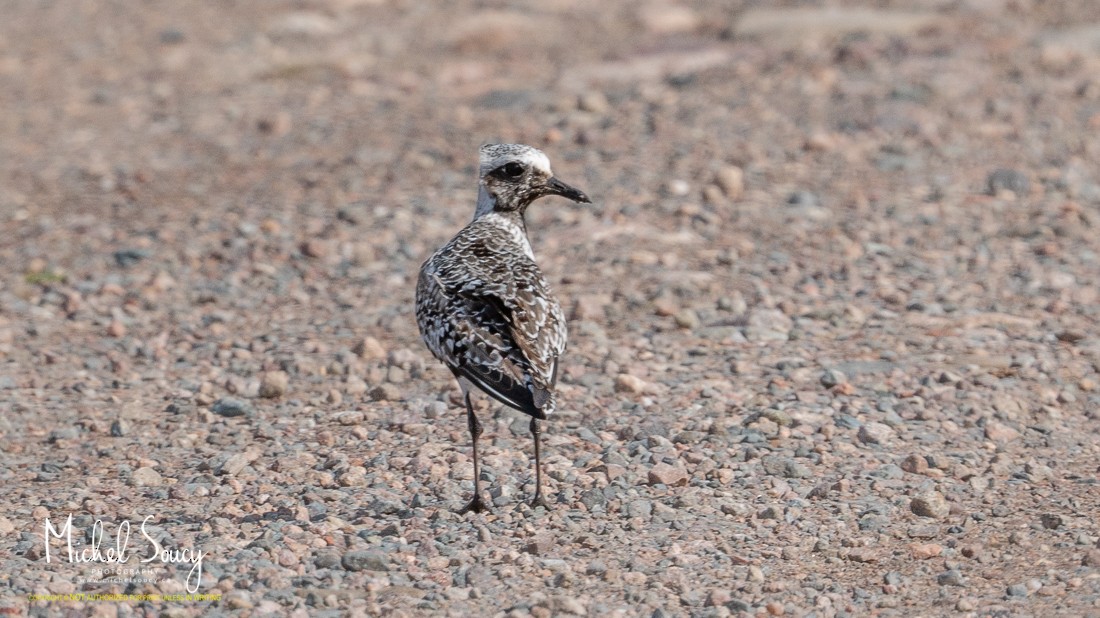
[[557, 187]]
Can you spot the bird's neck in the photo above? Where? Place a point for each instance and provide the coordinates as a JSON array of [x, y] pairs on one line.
[[487, 204]]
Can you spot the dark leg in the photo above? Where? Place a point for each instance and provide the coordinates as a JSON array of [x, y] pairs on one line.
[[476, 504], [538, 499]]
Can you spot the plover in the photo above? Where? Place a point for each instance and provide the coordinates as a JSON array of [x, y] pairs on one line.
[[483, 306]]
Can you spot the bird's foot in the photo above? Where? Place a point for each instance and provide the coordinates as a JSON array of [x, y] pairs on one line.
[[476, 505], [538, 501]]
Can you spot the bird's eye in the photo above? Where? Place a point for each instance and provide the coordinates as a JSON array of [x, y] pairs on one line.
[[512, 170]]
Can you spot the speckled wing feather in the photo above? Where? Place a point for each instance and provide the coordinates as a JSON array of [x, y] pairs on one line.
[[485, 310]]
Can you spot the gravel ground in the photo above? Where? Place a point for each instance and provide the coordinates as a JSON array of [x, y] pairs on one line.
[[833, 314]]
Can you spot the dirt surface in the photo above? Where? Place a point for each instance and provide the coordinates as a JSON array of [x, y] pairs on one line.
[[833, 314]]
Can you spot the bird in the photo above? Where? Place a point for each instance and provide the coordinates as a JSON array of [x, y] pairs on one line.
[[485, 310]]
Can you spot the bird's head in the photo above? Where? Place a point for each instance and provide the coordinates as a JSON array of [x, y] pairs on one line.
[[515, 175]]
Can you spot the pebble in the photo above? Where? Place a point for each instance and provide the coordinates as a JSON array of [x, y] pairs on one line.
[[832, 377], [768, 325], [369, 348], [930, 504], [1006, 179], [875, 433], [326, 559], [145, 477], [687, 318], [786, 467], [1000, 433], [238, 599], [863, 554], [385, 392], [1091, 558], [915, 464], [731, 179], [626, 383], [665, 474], [230, 407], [365, 560], [1051, 521], [924, 551], [593, 101], [951, 577], [667, 18], [274, 384], [1017, 590], [119, 427], [540, 545]]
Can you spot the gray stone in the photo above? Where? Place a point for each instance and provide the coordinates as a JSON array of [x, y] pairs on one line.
[[768, 325], [832, 377], [145, 477], [951, 577], [930, 504], [231, 407], [365, 560]]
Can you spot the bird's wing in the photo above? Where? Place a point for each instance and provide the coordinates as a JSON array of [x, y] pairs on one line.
[[507, 330]]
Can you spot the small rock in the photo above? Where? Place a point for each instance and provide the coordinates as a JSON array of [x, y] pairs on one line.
[[315, 248], [779, 417], [924, 551], [1051, 521], [540, 545], [930, 504], [717, 598], [731, 179], [303, 23], [385, 392], [230, 407], [712, 194], [770, 512], [832, 377], [594, 499], [952, 577], [238, 599], [667, 18], [365, 560], [640, 508], [915, 464], [116, 329], [677, 187], [326, 560], [863, 554], [966, 604], [626, 383], [233, 463], [369, 348], [785, 467], [594, 102], [1091, 558], [768, 325], [274, 384], [145, 477], [875, 433], [120, 427], [1017, 590], [1005, 179], [1000, 433], [687, 318], [664, 474]]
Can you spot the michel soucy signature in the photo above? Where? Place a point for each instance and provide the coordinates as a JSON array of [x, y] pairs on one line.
[[120, 552]]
